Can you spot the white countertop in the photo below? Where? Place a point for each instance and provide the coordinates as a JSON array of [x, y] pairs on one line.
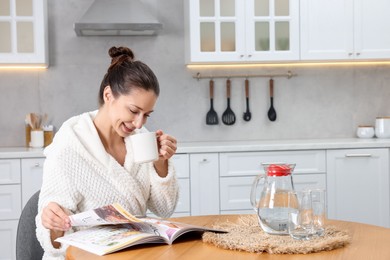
[[275, 145], [20, 152], [237, 146]]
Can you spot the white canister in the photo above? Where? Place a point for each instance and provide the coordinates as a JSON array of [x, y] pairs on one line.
[[382, 127], [37, 139], [365, 131]]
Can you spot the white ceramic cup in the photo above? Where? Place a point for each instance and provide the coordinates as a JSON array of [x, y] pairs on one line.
[[37, 139], [145, 147], [382, 127], [365, 131]]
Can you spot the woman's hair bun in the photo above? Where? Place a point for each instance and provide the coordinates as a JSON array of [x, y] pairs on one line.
[[115, 52]]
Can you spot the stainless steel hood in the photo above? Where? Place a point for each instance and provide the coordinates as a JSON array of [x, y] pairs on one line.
[[117, 18]]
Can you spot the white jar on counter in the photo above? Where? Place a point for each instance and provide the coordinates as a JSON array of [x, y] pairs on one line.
[[365, 131], [382, 127]]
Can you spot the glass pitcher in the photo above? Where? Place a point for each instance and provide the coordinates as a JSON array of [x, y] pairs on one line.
[[271, 202]]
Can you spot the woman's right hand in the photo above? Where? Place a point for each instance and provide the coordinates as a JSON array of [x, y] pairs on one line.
[[55, 218]]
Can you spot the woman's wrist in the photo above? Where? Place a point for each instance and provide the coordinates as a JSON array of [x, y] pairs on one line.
[[161, 167]]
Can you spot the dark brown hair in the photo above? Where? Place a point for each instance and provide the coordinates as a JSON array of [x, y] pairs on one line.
[[125, 73]]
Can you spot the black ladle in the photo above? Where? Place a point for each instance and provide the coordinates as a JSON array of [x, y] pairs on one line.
[[247, 114], [271, 111]]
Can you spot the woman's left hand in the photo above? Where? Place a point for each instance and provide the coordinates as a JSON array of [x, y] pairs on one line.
[[166, 145]]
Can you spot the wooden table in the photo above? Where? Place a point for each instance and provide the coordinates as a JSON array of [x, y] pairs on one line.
[[368, 242]]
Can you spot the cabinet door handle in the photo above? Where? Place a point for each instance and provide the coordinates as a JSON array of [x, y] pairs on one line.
[[350, 54], [358, 155], [204, 160], [358, 53], [37, 165]]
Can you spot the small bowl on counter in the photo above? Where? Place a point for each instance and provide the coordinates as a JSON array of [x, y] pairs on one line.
[[365, 131]]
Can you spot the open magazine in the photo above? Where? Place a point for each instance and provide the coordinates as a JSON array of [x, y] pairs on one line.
[[113, 228]]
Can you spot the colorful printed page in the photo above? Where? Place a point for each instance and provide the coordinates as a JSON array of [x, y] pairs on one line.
[[110, 214]]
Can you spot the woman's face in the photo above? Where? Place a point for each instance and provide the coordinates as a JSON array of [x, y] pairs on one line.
[[129, 112]]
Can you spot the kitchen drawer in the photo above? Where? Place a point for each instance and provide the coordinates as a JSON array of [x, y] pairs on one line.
[[183, 205], [235, 191], [249, 163], [9, 171], [182, 165], [10, 201]]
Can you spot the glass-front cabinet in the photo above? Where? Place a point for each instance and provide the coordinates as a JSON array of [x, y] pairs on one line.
[[242, 30], [23, 30]]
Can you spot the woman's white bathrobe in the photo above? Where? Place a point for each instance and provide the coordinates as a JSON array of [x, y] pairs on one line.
[[80, 175]]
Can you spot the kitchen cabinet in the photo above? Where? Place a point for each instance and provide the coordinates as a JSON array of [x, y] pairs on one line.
[[238, 170], [204, 178], [344, 29], [19, 179], [241, 31], [23, 30], [358, 185], [182, 166]]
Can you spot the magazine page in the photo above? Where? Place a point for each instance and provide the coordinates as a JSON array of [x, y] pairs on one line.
[[171, 230], [165, 228], [105, 239], [110, 214]]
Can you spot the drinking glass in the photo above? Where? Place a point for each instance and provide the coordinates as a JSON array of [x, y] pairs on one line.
[[300, 216], [318, 201]]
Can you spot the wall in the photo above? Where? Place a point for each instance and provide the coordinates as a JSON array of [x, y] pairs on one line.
[[321, 102]]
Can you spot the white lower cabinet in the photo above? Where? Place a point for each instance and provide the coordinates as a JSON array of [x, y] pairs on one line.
[[204, 184], [19, 179], [182, 167], [358, 185], [235, 191], [238, 170], [32, 180], [8, 230]]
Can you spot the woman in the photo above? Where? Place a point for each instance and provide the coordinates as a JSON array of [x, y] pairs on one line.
[[90, 162]]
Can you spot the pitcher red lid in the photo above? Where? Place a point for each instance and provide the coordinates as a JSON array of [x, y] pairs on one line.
[[278, 170]]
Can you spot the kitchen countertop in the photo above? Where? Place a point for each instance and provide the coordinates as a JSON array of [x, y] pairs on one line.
[[274, 145], [237, 146], [20, 152]]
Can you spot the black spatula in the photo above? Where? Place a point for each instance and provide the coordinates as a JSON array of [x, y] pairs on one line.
[[211, 117]]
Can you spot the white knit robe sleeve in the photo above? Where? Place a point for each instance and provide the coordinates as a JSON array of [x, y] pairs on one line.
[[56, 187], [164, 191]]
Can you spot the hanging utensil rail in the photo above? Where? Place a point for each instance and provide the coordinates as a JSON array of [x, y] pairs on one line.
[[289, 74]]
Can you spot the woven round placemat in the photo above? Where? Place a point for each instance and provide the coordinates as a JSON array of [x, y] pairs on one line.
[[246, 235]]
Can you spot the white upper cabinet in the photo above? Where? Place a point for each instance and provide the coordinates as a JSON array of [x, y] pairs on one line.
[[344, 29], [23, 30], [242, 30]]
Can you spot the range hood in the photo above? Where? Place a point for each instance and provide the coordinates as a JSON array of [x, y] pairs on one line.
[[117, 18]]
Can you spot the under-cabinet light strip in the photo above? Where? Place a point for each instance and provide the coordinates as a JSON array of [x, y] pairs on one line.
[[289, 74], [298, 64], [21, 67]]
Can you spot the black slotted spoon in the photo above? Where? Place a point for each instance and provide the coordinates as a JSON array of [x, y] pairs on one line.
[[211, 116], [228, 117]]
